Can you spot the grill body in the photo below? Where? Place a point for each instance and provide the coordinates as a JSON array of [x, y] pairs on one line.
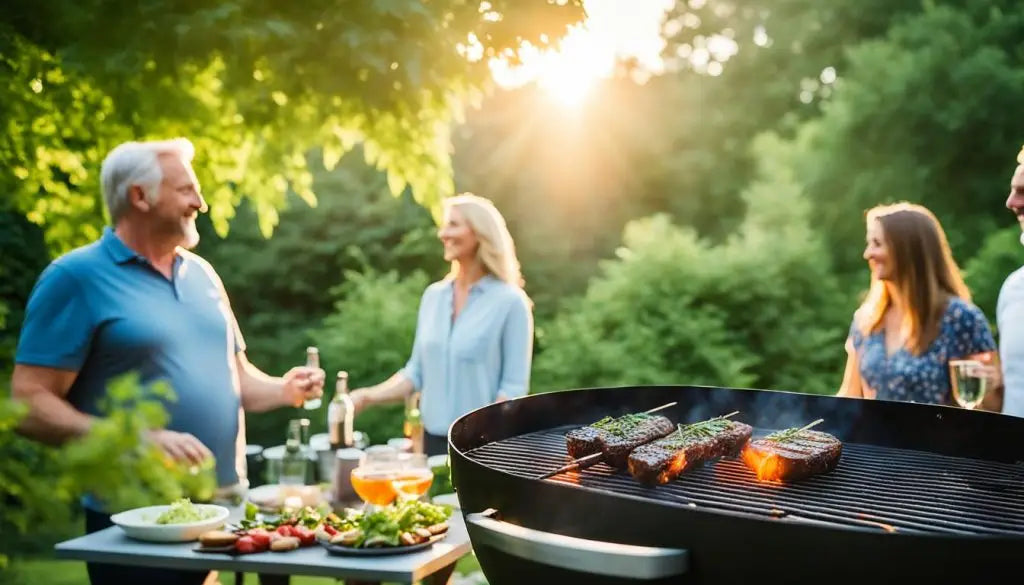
[[921, 491]]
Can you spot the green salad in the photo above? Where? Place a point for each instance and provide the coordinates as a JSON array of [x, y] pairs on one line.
[[183, 511], [386, 525]]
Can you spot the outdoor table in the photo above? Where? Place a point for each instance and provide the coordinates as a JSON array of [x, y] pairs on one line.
[[111, 545]]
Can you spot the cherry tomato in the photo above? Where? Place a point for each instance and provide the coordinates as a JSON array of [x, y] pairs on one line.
[[305, 535], [246, 545], [260, 537]]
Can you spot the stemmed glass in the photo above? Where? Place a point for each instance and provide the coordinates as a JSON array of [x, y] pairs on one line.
[[969, 381], [372, 478], [414, 476]]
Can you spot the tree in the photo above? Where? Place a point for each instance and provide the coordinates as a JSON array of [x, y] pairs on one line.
[[282, 289], [22, 257], [903, 126], [999, 256], [761, 309], [255, 84]]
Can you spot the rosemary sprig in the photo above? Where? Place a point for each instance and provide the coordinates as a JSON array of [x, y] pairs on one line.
[[621, 425], [702, 429], [787, 435]]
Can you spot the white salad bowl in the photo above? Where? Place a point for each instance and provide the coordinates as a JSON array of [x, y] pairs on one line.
[[140, 524]]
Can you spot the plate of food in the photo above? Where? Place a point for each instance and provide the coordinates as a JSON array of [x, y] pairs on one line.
[[180, 521], [282, 539], [372, 551], [402, 527]]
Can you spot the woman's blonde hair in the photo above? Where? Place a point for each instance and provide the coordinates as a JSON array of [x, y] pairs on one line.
[[497, 251], [924, 274]]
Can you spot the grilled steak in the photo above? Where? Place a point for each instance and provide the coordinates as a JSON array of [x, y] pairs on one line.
[[800, 454], [616, 437], [663, 460]]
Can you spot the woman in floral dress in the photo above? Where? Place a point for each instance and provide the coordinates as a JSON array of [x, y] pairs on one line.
[[916, 317]]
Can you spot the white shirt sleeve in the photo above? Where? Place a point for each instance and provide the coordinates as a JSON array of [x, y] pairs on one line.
[[1010, 323]]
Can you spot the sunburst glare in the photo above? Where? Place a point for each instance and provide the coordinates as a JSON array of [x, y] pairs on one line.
[[612, 30]]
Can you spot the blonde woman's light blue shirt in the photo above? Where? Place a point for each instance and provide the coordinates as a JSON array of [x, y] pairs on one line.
[[463, 364]]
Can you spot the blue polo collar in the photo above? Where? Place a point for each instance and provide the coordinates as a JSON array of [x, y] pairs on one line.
[[122, 254], [117, 249]]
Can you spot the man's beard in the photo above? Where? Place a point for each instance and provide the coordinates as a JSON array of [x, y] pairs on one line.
[[191, 239]]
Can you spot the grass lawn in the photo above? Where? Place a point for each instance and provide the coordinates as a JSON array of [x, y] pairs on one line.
[[55, 572]]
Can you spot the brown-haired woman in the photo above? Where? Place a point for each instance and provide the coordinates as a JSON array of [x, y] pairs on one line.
[[917, 315]]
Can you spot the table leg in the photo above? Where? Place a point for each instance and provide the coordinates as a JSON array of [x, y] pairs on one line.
[[274, 579], [441, 577]]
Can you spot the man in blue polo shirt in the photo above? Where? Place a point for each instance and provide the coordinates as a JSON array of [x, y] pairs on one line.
[[137, 300]]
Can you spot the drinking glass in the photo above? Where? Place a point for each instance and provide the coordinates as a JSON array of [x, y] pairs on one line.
[[414, 476], [372, 478], [969, 382]]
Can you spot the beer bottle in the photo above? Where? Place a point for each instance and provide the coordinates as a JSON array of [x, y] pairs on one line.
[[312, 361], [341, 415]]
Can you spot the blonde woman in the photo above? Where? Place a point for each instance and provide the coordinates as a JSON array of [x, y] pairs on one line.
[[917, 316], [474, 333]]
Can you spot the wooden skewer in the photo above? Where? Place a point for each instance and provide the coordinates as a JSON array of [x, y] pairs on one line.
[[596, 456], [662, 407], [813, 424]]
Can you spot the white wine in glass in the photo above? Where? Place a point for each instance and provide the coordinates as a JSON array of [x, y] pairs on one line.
[[968, 382]]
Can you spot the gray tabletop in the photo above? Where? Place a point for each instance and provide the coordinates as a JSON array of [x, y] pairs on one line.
[[111, 545]]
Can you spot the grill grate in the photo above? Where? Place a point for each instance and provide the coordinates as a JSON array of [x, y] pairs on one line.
[[893, 490]]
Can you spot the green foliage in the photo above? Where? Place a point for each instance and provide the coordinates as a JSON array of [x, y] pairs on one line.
[[1000, 254], [26, 487], [54, 134], [39, 485], [899, 127], [22, 257], [256, 85], [369, 334], [281, 288], [758, 310], [115, 463]]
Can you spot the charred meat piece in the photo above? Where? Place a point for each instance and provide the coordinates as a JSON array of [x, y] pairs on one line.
[[793, 454], [663, 460], [616, 437]]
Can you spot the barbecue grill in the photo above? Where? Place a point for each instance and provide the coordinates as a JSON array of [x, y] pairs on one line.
[[921, 492]]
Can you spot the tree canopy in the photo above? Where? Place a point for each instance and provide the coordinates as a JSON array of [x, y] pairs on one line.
[[254, 84]]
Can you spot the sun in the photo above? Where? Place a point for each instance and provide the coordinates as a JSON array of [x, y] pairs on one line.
[[568, 73], [570, 89]]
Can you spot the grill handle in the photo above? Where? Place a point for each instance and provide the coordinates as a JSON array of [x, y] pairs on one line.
[[577, 554]]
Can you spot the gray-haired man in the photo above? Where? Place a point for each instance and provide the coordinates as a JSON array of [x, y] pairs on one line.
[[138, 300]]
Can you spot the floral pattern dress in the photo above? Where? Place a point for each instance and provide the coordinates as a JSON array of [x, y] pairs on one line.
[[923, 378]]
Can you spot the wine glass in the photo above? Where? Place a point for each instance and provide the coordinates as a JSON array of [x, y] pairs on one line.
[[414, 476], [372, 478], [969, 382]]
